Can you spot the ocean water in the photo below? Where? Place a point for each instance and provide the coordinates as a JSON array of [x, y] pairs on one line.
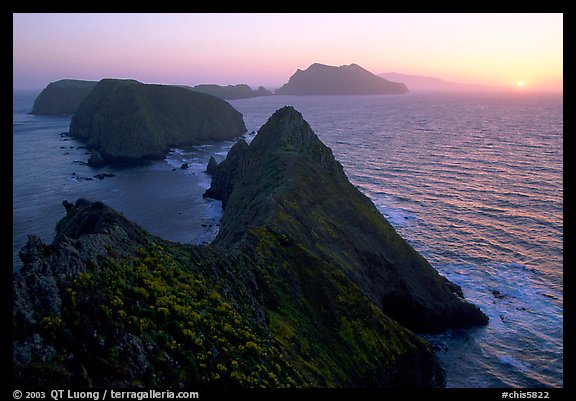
[[473, 181]]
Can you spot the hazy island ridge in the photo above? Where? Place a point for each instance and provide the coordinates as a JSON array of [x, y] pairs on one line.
[[286, 295], [419, 83], [64, 96]]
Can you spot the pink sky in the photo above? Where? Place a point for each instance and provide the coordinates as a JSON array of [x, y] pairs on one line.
[[266, 49]]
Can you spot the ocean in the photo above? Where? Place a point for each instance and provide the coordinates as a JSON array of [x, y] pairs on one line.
[[473, 181]]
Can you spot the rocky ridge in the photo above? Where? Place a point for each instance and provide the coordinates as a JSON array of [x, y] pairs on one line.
[[305, 285]]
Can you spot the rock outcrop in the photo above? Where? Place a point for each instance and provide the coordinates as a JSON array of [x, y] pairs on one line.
[[305, 285], [62, 97], [127, 121], [229, 92], [320, 79], [212, 165]]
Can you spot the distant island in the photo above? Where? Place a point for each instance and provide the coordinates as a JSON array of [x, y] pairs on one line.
[[128, 121], [62, 97], [418, 83], [306, 285], [320, 79], [230, 92]]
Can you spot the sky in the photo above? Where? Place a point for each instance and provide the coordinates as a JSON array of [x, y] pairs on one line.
[[502, 49]]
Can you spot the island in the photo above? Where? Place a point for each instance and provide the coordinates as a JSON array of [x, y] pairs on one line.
[[305, 285], [62, 97], [320, 79], [230, 92], [126, 121]]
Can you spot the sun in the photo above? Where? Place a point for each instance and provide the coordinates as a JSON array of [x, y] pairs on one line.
[[520, 84]]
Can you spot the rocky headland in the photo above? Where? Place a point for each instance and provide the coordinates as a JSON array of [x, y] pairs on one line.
[[62, 97], [320, 79], [127, 121], [306, 285]]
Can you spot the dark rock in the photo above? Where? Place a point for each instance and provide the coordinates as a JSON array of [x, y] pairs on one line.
[[128, 122], [319, 79], [212, 165], [96, 159], [62, 97], [225, 175], [184, 166]]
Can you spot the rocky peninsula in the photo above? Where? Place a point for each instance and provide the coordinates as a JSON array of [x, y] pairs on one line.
[[320, 79], [306, 285], [124, 121]]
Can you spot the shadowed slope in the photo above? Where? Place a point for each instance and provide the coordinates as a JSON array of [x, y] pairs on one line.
[[125, 120]]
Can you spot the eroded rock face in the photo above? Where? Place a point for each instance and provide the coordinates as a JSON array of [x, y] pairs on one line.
[[127, 121]]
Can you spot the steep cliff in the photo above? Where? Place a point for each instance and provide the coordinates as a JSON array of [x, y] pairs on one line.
[[125, 120], [62, 97]]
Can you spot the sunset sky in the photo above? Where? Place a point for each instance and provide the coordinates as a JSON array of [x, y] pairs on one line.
[[266, 49]]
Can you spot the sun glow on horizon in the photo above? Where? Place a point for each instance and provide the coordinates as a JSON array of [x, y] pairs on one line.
[[521, 84], [229, 48]]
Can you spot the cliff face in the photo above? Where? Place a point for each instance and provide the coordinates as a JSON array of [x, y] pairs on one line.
[[319, 79], [62, 97], [297, 289], [229, 92], [125, 120]]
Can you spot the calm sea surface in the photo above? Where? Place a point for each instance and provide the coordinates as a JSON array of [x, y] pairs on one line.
[[473, 181]]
